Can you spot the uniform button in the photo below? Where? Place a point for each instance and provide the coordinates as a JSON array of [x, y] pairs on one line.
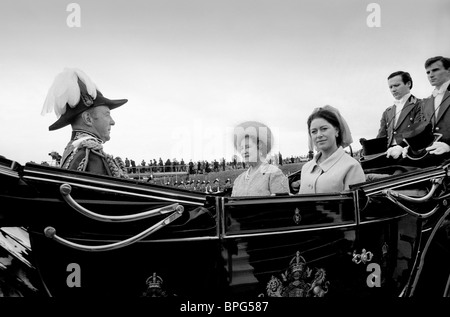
[[437, 129], [411, 119], [395, 132]]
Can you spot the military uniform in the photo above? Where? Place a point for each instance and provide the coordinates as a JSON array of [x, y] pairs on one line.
[[394, 131], [71, 94], [85, 153], [440, 119]]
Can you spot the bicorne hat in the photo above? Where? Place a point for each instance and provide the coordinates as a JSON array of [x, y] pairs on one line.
[[72, 93]]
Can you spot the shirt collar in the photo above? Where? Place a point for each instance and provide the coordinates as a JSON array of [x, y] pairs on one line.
[[441, 89], [402, 100]]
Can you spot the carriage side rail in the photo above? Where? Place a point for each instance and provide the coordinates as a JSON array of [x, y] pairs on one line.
[[435, 182], [395, 196], [65, 190], [50, 232]]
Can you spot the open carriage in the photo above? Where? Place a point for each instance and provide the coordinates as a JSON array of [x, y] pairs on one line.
[[103, 236]]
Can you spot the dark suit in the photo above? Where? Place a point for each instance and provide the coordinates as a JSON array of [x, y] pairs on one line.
[[441, 124], [409, 114], [440, 119]]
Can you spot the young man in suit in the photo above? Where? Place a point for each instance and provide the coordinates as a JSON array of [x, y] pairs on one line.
[[436, 107], [435, 110], [398, 118]]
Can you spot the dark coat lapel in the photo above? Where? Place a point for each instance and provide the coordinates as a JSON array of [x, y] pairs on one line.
[[406, 110], [390, 114], [428, 108], [444, 105]]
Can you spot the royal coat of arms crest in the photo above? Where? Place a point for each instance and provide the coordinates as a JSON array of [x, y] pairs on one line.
[[298, 281]]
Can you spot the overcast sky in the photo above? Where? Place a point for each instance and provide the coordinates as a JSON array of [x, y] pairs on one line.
[[193, 69]]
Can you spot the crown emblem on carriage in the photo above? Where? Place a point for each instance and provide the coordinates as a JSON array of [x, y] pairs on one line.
[[297, 263], [298, 280], [155, 287], [154, 281]]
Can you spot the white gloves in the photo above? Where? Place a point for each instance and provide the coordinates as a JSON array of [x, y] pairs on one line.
[[405, 151], [438, 148], [395, 151]]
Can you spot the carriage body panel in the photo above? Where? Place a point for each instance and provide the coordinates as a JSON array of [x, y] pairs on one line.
[[95, 235]]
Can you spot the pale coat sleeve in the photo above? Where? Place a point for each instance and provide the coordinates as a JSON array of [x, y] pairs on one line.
[[278, 183], [237, 184], [355, 174]]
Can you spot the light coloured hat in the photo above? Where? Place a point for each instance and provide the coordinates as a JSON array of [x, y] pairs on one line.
[[255, 130]]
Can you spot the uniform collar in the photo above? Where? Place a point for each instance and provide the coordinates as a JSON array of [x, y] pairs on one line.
[[76, 134]]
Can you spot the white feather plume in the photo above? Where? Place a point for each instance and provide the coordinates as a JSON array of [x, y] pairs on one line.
[[65, 90]]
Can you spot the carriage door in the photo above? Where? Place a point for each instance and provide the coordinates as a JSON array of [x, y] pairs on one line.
[[290, 246]]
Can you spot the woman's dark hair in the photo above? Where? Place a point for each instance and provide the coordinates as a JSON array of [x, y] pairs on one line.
[[331, 118]]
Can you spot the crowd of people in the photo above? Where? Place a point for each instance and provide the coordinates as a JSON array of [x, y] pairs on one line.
[[171, 166], [199, 167], [330, 169], [202, 186]]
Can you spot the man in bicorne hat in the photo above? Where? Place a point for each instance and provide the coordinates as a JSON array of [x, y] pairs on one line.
[[77, 102]]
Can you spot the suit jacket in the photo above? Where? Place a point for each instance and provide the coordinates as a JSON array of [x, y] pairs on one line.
[[409, 114], [440, 119]]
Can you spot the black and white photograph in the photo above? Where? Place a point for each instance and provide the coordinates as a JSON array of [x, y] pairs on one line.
[[220, 153]]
